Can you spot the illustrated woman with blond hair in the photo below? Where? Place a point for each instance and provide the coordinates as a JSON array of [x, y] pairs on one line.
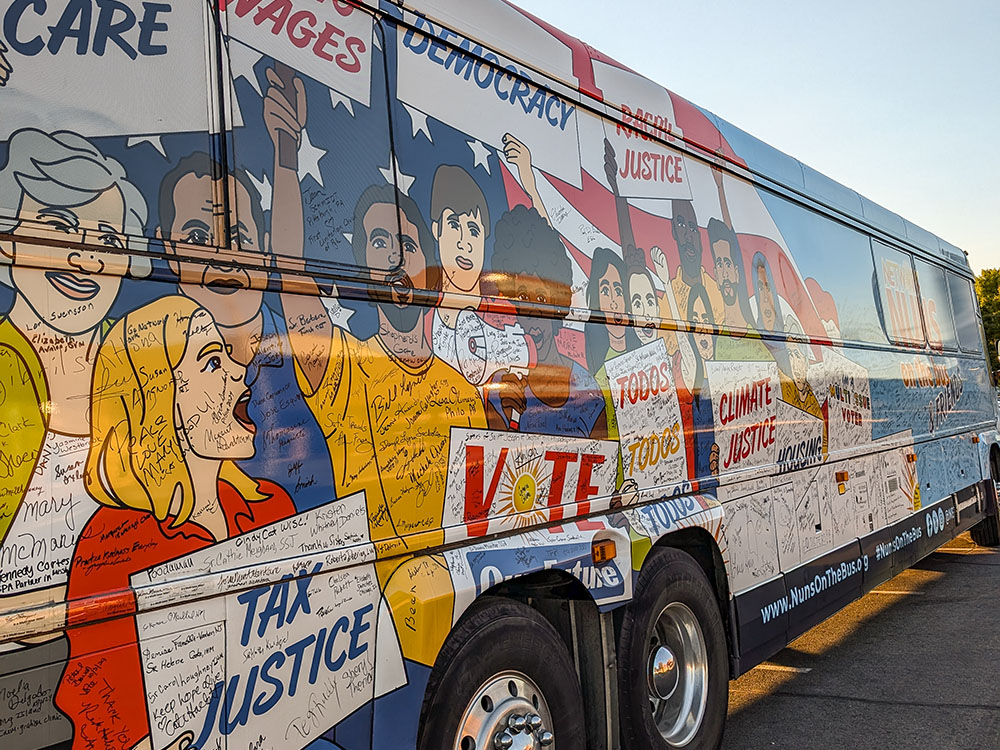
[[168, 421]]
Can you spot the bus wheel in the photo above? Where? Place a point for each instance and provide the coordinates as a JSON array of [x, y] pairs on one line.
[[986, 533], [673, 664], [503, 679]]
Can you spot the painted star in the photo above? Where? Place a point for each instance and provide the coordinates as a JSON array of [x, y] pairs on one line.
[[309, 156], [338, 99], [418, 122], [153, 140], [264, 188], [339, 315], [481, 155], [403, 181], [242, 60]]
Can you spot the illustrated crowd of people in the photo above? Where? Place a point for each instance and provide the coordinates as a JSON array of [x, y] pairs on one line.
[[228, 405]]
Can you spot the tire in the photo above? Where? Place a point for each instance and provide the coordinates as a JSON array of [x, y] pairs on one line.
[[674, 593], [986, 533], [511, 647]]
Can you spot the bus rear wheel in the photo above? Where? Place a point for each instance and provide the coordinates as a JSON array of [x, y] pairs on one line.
[[986, 533], [504, 679], [673, 664]]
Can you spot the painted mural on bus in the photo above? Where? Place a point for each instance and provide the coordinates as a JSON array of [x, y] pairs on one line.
[[263, 355]]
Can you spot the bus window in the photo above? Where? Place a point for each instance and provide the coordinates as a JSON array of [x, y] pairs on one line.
[[823, 249], [314, 142], [965, 313], [934, 304], [898, 292]]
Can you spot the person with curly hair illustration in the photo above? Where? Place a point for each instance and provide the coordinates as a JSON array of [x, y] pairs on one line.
[[558, 396]]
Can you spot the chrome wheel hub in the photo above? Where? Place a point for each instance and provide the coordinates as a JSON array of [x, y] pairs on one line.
[[677, 674], [508, 712], [663, 673]]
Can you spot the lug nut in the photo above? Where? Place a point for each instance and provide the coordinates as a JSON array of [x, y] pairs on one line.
[[517, 722], [503, 741], [545, 739], [534, 722]]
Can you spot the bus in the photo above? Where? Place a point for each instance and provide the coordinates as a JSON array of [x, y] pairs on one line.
[[381, 375]]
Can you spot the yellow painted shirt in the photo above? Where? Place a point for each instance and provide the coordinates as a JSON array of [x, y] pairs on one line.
[[387, 426], [23, 391], [808, 403]]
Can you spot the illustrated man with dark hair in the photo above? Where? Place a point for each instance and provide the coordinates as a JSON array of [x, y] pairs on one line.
[[686, 233], [558, 396], [386, 405], [352, 386], [742, 343], [190, 214], [460, 224], [288, 444]]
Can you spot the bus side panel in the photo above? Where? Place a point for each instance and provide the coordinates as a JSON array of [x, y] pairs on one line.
[[775, 613], [302, 314]]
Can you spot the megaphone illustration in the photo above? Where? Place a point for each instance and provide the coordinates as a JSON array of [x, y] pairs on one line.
[[484, 350]]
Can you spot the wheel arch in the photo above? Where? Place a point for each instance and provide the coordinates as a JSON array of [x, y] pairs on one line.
[[697, 542]]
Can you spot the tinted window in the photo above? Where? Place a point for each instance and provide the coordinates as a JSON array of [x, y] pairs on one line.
[[935, 306], [835, 263], [898, 294], [965, 313], [311, 162]]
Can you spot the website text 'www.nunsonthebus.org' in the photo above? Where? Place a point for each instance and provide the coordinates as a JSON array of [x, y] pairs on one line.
[[798, 594]]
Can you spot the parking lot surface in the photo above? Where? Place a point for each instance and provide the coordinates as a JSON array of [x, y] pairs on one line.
[[915, 664]]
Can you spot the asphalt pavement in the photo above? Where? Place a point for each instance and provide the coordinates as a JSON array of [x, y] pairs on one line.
[[914, 665]]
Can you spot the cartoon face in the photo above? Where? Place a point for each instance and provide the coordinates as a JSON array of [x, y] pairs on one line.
[[684, 227], [462, 243], [211, 397], [611, 298], [765, 299], [727, 274], [529, 290], [394, 257], [645, 310], [703, 339], [400, 253], [74, 291], [231, 293], [799, 362]]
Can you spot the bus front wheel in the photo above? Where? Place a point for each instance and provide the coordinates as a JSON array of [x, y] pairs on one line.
[[504, 679], [673, 664]]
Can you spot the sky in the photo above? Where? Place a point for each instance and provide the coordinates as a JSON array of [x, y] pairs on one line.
[[896, 99]]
